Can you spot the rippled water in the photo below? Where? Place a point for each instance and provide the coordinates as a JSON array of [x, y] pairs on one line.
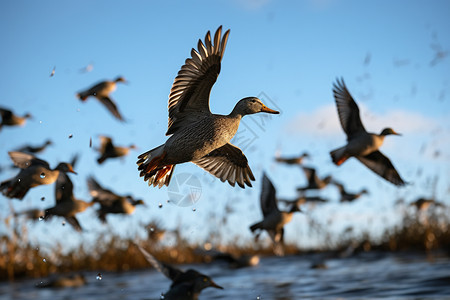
[[367, 275]]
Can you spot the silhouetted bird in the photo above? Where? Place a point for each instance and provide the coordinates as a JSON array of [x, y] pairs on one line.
[[346, 196], [108, 150], [111, 203], [10, 119], [197, 135], [314, 182], [185, 285], [361, 144], [422, 204], [233, 261], [67, 205], [75, 280], [274, 219], [296, 160], [301, 200], [34, 149], [155, 231], [101, 91], [34, 172]]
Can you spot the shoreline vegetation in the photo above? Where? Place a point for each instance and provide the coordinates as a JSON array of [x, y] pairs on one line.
[[425, 231]]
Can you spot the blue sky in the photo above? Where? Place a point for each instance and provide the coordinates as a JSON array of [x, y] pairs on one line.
[[289, 52]]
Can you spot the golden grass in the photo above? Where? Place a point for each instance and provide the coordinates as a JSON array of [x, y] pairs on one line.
[[419, 231]]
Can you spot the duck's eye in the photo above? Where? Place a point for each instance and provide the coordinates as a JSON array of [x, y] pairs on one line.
[[205, 279]]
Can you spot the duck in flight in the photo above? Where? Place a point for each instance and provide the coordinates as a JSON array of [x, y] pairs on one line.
[[11, 119], [34, 172], [101, 91], [273, 219], [197, 135], [361, 144]]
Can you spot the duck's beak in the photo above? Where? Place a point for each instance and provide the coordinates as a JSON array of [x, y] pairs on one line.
[[72, 171], [268, 110], [215, 285], [396, 133]]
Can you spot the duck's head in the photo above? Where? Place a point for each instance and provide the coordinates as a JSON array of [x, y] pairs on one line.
[[139, 202], [121, 79], [364, 191], [306, 154], [28, 116], [48, 142], [66, 168], [252, 105], [388, 131], [201, 281]]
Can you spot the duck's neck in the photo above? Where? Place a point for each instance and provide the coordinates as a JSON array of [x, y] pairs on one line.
[[236, 114]]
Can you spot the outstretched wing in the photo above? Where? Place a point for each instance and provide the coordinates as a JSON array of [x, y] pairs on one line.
[[105, 144], [347, 109], [310, 174], [190, 91], [268, 196], [381, 165], [169, 271], [24, 160], [227, 163], [5, 113], [63, 188], [100, 194], [111, 106]]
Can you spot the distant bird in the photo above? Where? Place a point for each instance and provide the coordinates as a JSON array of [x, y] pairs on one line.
[[75, 280], [197, 135], [155, 231], [11, 119], [67, 205], [108, 150], [34, 149], [301, 200], [422, 204], [314, 182], [235, 262], [101, 91], [111, 203], [33, 214], [361, 144], [274, 219], [87, 69], [346, 196], [53, 72], [296, 160], [186, 285], [439, 54], [34, 172]]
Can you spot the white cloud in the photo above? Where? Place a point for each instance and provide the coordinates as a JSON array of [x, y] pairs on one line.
[[324, 122]]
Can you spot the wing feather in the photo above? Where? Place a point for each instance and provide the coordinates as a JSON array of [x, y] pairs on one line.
[[382, 166], [189, 95], [348, 110], [228, 163]]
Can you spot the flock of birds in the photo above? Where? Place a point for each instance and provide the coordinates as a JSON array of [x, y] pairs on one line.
[[199, 136]]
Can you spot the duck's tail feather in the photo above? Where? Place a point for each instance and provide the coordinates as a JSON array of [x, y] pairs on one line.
[[152, 169], [82, 96], [338, 156], [255, 226], [12, 189]]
